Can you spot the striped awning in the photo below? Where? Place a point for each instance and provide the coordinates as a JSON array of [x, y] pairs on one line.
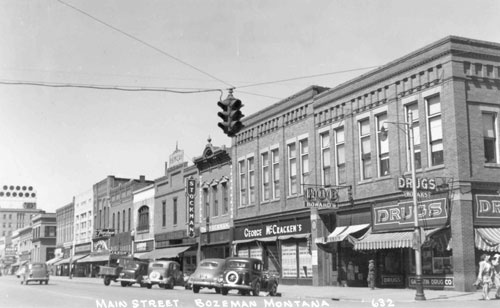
[[373, 241], [53, 260], [487, 239], [344, 232]]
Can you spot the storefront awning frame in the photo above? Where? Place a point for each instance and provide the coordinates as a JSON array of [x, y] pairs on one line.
[[164, 253], [345, 231], [390, 240], [487, 239]]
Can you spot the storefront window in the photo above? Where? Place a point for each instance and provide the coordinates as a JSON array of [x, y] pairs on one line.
[[305, 261], [256, 252], [289, 260]]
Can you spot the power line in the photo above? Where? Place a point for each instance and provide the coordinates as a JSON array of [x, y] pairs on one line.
[[107, 87], [143, 42], [305, 77]]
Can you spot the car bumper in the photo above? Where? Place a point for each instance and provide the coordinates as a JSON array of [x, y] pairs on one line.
[[159, 281], [205, 284], [127, 280], [236, 286]]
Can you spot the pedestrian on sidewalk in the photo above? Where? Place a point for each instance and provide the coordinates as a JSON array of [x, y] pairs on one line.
[[371, 274], [496, 271], [485, 275]]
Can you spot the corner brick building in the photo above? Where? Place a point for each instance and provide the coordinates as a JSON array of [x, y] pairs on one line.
[[322, 178]]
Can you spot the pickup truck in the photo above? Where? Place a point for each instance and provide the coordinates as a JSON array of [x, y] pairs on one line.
[[133, 271], [109, 273]]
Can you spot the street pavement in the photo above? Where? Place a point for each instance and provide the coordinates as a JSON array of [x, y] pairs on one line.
[[351, 294]]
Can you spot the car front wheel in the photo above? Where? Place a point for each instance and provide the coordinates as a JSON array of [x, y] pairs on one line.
[[196, 289], [256, 289], [274, 289], [224, 291]]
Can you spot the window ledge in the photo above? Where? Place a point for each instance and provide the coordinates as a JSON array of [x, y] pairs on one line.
[[362, 182], [422, 170], [491, 165]]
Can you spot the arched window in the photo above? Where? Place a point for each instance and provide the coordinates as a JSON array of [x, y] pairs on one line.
[[143, 218]]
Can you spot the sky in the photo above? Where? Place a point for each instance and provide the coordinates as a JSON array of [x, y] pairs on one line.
[[62, 140]]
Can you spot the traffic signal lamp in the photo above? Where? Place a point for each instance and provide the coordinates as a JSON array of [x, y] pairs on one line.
[[231, 115]]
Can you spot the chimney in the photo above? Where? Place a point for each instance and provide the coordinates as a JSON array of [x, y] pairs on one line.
[[142, 178]]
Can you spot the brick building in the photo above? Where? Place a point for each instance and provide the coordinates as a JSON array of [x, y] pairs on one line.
[[171, 237], [215, 208], [334, 164]]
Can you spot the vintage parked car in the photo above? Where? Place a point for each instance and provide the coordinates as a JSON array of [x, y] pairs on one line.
[[207, 275], [166, 274], [247, 275], [35, 272], [113, 271], [133, 271]]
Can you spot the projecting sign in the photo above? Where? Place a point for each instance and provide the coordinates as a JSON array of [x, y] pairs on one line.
[[325, 197], [191, 193]]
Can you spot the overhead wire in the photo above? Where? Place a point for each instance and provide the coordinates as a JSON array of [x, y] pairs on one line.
[[143, 42]]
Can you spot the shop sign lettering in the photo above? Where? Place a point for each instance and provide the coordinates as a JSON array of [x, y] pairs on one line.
[[487, 210], [104, 232], [273, 229], [325, 197], [392, 280], [191, 194], [405, 183], [215, 227], [431, 282], [401, 216], [277, 230], [83, 248]]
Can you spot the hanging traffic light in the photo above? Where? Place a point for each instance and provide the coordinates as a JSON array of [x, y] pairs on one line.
[[231, 115], [224, 115], [235, 116]]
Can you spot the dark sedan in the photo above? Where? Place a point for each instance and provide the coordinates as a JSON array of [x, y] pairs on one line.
[[207, 275]]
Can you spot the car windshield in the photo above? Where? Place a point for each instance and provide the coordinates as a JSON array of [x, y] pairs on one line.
[[238, 264], [37, 266], [157, 265], [209, 264]]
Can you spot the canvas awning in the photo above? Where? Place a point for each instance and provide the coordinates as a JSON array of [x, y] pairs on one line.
[[94, 258], [53, 260], [296, 236], [345, 231], [373, 241], [70, 259], [19, 263], [166, 253], [260, 239], [487, 239]]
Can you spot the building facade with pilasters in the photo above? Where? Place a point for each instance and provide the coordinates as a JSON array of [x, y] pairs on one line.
[[340, 158], [447, 93]]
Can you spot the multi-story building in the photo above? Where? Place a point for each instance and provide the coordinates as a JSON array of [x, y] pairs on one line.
[[171, 228], [340, 163], [22, 241], [122, 204], [64, 253], [44, 237], [143, 220], [17, 207], [273, 162], [83, 232], [215, 208]]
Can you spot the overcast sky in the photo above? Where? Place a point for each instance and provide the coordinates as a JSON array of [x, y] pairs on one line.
[[63, 140]]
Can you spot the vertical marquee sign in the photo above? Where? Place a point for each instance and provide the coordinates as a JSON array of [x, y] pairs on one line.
[[190, 192]]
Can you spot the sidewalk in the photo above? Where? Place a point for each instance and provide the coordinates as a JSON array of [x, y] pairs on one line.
[[345, 294]]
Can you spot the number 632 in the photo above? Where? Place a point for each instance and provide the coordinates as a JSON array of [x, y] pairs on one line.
[[382, 302]]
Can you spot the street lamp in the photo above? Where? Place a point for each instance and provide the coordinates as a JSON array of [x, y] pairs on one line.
[[419, 296]]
